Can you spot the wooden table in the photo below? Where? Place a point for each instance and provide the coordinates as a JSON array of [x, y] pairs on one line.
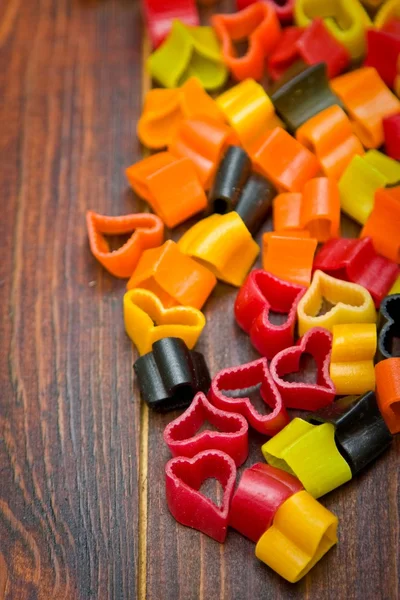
[[82, 507]]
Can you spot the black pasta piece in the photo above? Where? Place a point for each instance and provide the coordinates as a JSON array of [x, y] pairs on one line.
[[361, 433], [389, 328], [171, 375], [232, 173], [302, 93], [255, 202]]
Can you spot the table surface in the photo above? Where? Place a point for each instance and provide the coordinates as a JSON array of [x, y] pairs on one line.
[[82, 506]]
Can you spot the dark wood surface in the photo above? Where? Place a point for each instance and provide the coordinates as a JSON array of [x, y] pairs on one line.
[[82, 508]]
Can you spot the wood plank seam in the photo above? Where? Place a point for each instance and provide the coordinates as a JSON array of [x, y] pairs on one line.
[[144, 413]]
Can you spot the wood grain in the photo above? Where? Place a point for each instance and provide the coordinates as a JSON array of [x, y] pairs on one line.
[[70, 87], [82, 507]]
